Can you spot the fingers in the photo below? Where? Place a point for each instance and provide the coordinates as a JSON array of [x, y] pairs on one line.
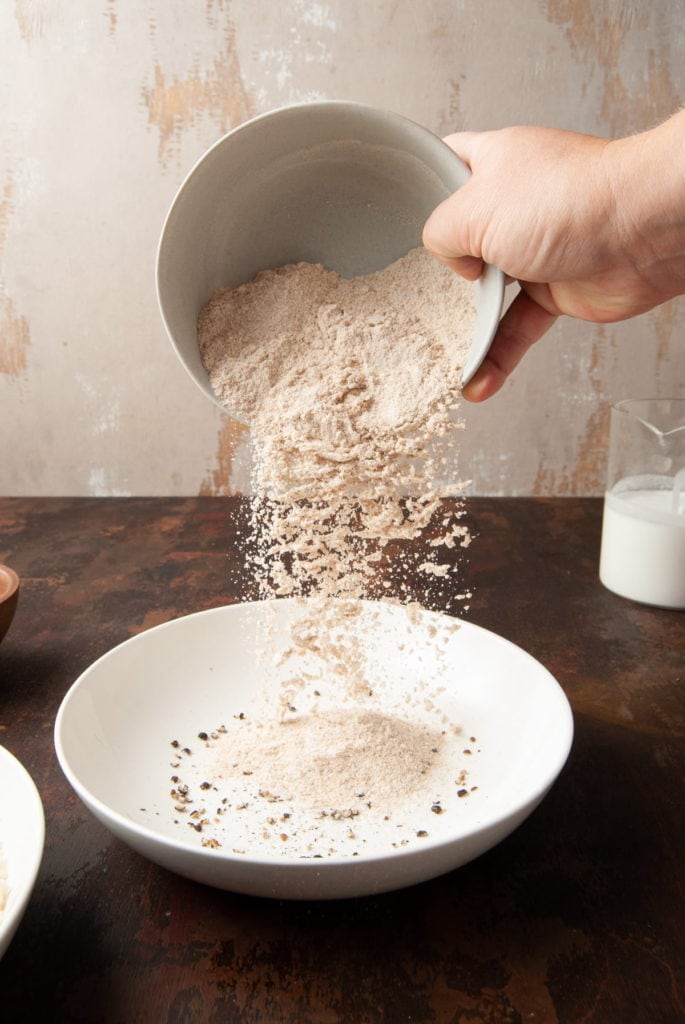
[[450, 236], [522, 325]]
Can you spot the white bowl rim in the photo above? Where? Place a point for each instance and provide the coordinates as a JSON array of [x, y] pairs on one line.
[[18, 899], [285, 863]]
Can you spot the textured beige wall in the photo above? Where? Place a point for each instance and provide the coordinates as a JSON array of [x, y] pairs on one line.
[[108, 103]]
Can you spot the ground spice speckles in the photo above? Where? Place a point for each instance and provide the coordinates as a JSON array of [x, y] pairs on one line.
[[297, 802]]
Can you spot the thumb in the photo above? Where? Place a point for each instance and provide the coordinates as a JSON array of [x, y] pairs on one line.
[[464, 144], [447, 235]]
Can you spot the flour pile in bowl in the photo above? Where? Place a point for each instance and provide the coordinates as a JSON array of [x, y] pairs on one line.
[[350, 389], [350, 743]]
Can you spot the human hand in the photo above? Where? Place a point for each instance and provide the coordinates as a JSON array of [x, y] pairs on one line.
[[591, 228]]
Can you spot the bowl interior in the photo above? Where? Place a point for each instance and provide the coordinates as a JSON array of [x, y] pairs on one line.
[[22, 833], [116, 725], [336, 183]]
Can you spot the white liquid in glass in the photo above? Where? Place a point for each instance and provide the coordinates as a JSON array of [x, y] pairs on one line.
[[643, 545]]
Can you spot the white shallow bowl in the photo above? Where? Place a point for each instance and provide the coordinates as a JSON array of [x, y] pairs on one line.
[[343, 184], [115, 725], [22, 834]]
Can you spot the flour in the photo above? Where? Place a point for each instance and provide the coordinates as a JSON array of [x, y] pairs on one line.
[[350, 389], [308, 787], [342, 746]]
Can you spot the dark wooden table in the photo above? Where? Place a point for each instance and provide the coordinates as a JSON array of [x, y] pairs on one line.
[[574, 919]]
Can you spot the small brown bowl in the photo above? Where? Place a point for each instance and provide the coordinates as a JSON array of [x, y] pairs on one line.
[[9, 595]]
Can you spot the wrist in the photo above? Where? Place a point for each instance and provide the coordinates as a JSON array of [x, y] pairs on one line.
[[647, 178]]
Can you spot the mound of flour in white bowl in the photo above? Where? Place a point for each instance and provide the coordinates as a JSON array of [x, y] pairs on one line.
[[349, 743]]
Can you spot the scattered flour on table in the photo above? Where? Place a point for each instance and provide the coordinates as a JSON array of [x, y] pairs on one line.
[[350, 389]]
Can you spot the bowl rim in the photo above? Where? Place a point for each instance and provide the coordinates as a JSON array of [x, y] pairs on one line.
[[355, 107], [18, 898], [288, 109], [518, 809]]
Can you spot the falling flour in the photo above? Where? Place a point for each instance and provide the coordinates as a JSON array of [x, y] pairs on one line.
[[350, 389]]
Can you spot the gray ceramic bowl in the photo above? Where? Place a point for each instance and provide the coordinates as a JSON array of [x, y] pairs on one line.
[[342, 184]]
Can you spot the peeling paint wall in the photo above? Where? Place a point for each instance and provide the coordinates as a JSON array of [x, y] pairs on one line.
[[108, 103]]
